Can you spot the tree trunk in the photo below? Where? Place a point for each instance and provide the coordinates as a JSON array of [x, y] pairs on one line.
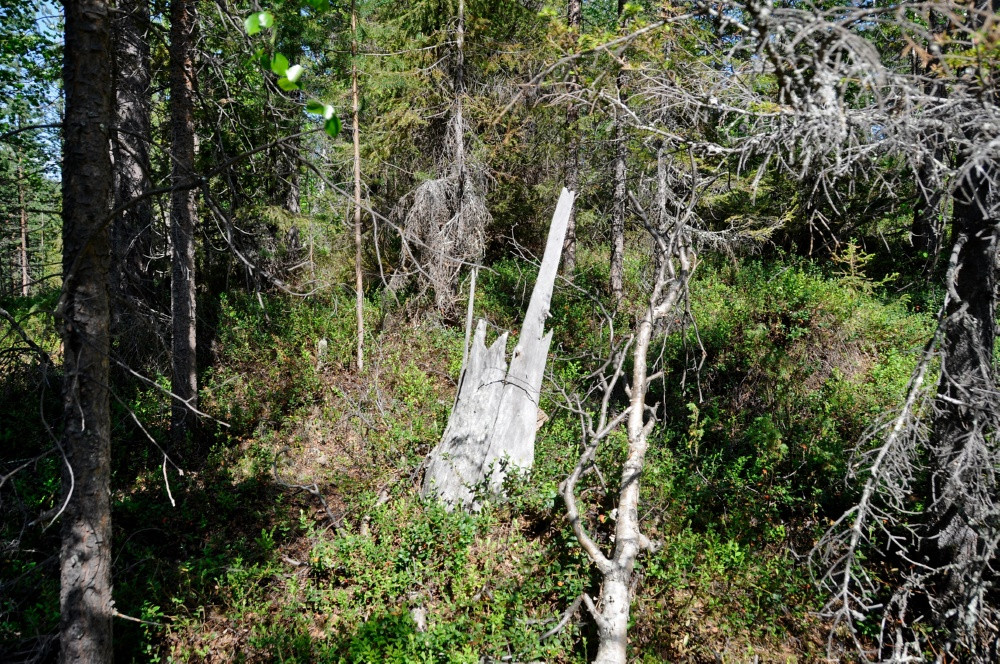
[[928, 223], [25, 276], [575, 21], [615, 600], [85, 600], [492, 427], [964, 482], [620, 193], [460, 101], [131, 232], [445, 275], [926, 231], [358, 277], [618, 211], [285, 190], [963, 531], [182, 219]]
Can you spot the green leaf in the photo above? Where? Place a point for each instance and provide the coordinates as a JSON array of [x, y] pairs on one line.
[[287, 85], [318, 5], [259, 58], [294, 73], [252, 24], [279, 64], [257, 22], [332, 126], [313, 106]]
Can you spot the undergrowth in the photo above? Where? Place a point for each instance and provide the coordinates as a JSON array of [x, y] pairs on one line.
[[298, 536]]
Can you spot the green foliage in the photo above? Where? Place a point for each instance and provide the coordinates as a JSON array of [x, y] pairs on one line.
[[798, 366], [270, 355], [800, 358]]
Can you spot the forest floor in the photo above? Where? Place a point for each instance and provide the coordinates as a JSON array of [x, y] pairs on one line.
[[298, 534]]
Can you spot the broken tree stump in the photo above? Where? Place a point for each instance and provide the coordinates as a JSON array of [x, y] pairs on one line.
[[492, 427]]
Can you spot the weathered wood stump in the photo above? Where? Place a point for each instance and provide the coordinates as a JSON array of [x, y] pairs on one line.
[[492, 426]]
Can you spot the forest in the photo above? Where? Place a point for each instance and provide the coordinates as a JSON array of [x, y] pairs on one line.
[[499, 331]]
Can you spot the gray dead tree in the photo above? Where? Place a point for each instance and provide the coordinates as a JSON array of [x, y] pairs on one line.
[[491, 430], [675, 261], [445, 223], [917, 551]]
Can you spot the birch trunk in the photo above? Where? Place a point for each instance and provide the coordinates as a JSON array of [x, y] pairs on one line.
[[615, 609]]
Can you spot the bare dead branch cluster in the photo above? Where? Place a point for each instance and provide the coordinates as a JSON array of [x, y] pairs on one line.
[[444, 221], [675, 262]]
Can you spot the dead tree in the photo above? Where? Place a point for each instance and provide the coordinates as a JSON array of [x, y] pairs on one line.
[[675, 263], [842, 109], [940, 449], [445, 222], [491, 430]]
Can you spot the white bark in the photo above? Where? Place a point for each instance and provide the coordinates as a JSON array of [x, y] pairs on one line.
[[492, 427], [675, 262]]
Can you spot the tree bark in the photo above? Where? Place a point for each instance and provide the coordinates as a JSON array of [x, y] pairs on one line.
[[358, 277], [964, 481], [927, 227], [284, 186], [575, 21], [182, 219], [620, 193], [460, 100], [612, 627], [131, 232], [963, 529], [492, 427], [85, 600], [928, 224], [25, 276]]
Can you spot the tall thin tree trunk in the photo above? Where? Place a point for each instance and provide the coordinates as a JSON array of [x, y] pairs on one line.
[[25, 277], [85, 600], [182, 219], [620, 193], [964, 481], [285, 184], [460, 101], [575, 21], [445, 277], [131, 232], [618, 212], [358, 277], [927, 228]]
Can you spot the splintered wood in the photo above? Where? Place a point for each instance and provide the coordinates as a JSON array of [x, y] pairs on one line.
[[492, 428]]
